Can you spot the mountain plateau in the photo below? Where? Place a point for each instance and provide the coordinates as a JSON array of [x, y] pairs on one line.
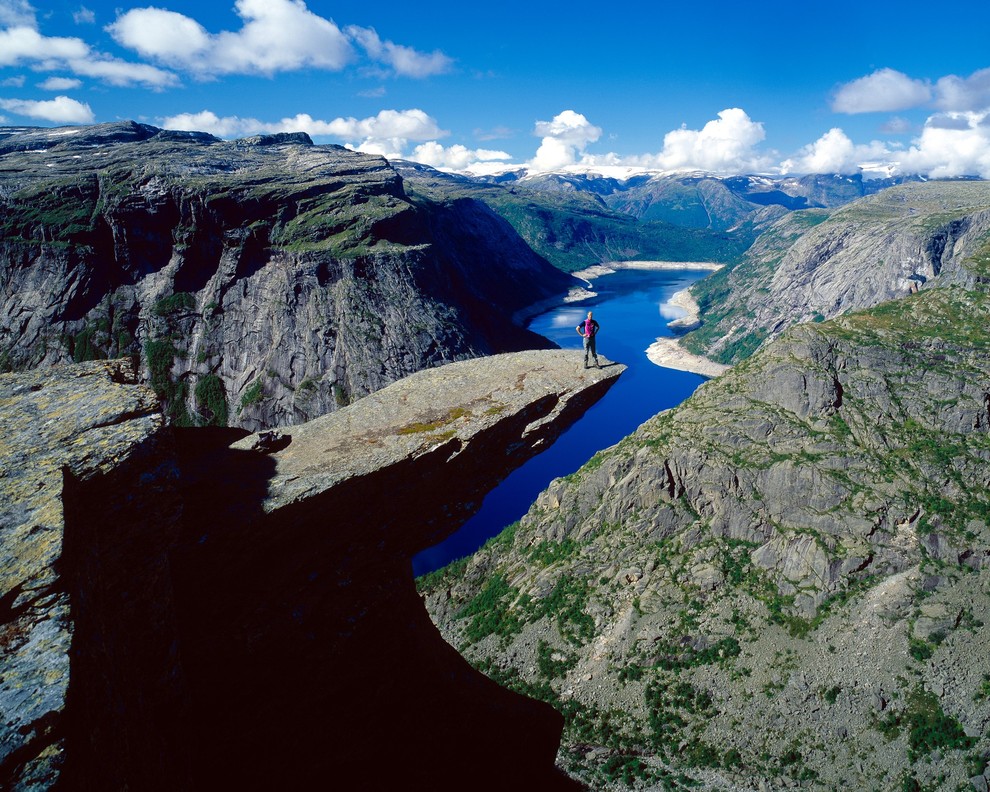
[[260, 282]]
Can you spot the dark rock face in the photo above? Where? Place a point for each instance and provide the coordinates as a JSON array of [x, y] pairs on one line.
[[89, 509], [182, 612], [261, 282]]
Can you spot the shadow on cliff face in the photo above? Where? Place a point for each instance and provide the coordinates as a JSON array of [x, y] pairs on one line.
[[220, 646], [127, 704], [309, 658]]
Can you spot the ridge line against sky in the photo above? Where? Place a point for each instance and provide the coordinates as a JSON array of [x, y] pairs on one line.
[[780, 90]]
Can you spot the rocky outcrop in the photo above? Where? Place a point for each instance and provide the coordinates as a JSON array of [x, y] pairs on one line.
[[816, 265], [89, 509], [785, 580], [260, 282], [184, 612]]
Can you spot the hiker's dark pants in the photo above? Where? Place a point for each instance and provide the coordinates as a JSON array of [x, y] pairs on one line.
[[589, 347]]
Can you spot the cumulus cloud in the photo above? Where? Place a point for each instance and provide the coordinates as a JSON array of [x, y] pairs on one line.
[[724, 145], [162, 35], [60, 84], [886, 90], [387, 133], [564, 138], [961, 94], [835, 152], [17, 13], [25, 45], [13, 82], [457, 157], [61, 110], [83, 16], [957, 144], [277, 35], [208, 121], [404, 61]]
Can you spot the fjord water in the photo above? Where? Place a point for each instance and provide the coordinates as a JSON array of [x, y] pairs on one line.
[[631, 306]]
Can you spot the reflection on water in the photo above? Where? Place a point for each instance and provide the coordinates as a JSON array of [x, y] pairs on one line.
[[632, 308], [562, 317], [670, 312]]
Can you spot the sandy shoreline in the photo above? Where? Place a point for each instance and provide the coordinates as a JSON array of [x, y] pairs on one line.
[[614, 266], [666, 352]]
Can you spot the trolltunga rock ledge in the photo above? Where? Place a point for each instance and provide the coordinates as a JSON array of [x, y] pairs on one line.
[[177, 611], [298, 583], [495, 411]]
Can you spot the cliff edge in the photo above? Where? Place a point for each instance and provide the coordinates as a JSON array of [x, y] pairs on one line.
[[181, 611]]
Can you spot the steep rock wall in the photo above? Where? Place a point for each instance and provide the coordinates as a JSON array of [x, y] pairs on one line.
[[260, 282], [785, 580], [89, 508], [816, 265]]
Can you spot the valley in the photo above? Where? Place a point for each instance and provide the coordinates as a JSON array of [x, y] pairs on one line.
[[777, 578]]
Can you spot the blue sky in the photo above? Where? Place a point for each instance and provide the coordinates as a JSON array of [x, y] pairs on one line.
[[616, 87]]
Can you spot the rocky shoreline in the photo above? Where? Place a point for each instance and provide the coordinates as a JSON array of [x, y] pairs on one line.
[[668, 352], [607, 268]]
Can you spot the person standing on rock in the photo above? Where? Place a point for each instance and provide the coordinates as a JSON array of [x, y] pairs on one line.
[[588, 329]]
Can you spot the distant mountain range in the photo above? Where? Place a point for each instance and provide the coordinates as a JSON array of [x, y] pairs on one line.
[[575, 220]]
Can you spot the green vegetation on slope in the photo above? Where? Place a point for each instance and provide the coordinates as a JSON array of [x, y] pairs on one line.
[[798, 545]]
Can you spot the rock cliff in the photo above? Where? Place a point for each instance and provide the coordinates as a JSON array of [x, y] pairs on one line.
[[89, 509], [817, 264], [260, 282], [784, 581], [181, 611]]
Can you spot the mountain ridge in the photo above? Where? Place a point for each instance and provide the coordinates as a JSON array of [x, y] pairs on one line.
[[693, 599], [261, 282]]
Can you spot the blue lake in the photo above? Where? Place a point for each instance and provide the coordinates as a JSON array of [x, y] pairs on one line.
[[631, 306]]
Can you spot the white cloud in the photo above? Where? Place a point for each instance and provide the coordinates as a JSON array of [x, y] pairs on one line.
[[956, 144], [835, 152], [457, 157], [896, 126], [13, 82], [23, 43], [387, 133], [162, 35], [406, 124], [724, 145], [60, 84], [208, 121], [83, 16], [961, 94], [17, 13], [564, 138], [122, 73], [277, 36], [61, 109], [886, 90], [404, 61]]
